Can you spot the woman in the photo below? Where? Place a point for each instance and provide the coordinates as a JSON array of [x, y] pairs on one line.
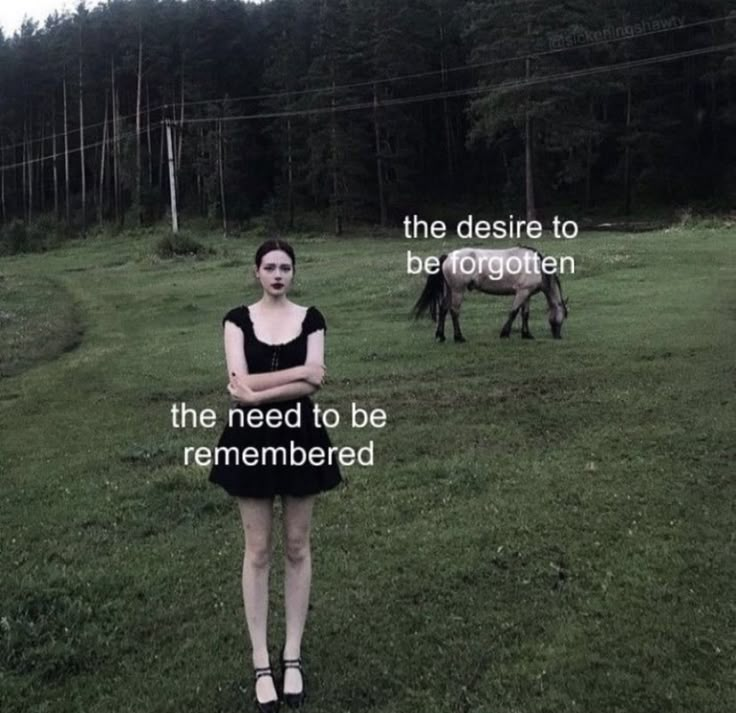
[[275, 352]]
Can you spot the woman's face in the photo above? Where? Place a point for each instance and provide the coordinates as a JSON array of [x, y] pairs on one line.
[[275, 272]]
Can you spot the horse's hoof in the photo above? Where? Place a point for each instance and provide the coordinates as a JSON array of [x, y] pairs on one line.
[[460, 340], [527, 336], [439, 339], [505, 335]]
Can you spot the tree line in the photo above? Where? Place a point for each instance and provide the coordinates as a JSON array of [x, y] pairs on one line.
[[365, 111]]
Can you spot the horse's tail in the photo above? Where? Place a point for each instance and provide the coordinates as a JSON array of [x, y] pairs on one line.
[[431, 294]]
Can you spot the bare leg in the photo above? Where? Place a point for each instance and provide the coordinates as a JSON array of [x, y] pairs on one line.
[[257, 517], [525, 333], [297, 580], [456, 303]]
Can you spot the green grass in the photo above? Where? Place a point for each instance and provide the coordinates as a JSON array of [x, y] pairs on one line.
[[548, 527], [38, 321]]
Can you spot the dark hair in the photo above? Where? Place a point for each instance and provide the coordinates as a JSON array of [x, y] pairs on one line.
[[275, 244]]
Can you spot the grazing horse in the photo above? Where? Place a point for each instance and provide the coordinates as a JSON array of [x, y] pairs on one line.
[[513, 271]]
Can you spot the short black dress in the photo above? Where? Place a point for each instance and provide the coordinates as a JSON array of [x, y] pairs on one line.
[[268, 478]]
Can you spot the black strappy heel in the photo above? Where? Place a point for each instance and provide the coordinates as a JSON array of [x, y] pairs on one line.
[[269, 706], [293, 700]]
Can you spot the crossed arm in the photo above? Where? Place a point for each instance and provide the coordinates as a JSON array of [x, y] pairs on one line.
[[281, 385]]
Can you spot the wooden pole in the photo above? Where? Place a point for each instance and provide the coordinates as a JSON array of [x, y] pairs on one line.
[[172, 179], [221, 163], [627, 155], [2, 184], [148, 125], [100, 202], [67, 200], [139, 92], [531, 208], [42, 167], [82, 167], [29, 163], [54, 165], [379, 163], [161, 143], [115, 147]]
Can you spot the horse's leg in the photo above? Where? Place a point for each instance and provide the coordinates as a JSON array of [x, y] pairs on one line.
[[439, 335], [525, 333], [519, 298], [455, 304]]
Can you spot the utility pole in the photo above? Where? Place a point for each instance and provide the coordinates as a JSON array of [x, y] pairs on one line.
[[172, 177], [221, 166]]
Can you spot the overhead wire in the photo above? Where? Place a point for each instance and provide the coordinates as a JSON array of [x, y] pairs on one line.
[[502, 87], [377, 81], [461, 68]]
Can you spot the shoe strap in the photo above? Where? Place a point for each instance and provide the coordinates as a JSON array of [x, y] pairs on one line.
[[265, 671], [292, 663]]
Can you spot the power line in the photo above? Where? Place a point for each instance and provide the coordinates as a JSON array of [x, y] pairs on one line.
[[385, 80], [476, 65], [59, 154], [502, 87], [60, 134]]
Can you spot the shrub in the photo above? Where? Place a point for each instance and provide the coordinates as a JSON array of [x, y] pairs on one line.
[[42, 234], [180, 244], [13, 238]]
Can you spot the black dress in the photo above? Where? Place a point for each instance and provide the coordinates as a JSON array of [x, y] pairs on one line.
[[267, 478]]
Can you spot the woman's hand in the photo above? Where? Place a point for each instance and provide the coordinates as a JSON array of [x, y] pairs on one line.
[[315, 374], [240, 391]]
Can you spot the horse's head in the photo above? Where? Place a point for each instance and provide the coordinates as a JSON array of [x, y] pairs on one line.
[[557, 315]]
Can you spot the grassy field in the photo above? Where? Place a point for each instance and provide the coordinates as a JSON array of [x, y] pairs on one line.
[[549, 525]]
